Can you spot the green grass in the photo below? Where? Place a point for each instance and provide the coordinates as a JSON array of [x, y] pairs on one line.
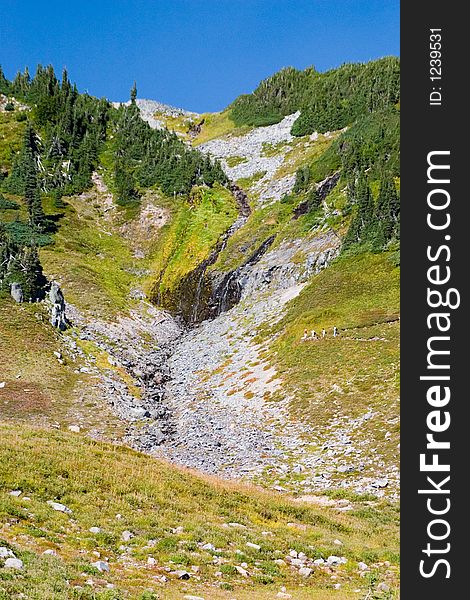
[[195, 227], [217, 125], [233, 161], [11, 136], [91, 260], [153, 499], [247, 182], [37, 387], [303, 151], [178, 124], [262, 223], [360, 295]]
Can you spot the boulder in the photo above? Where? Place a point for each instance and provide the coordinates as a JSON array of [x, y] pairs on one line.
[[13, 563], [126, 535], [6, 552], [58, 316], [59, 507], [101, 565]]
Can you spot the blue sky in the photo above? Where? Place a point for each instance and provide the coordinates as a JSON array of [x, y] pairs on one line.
[[197, 54]]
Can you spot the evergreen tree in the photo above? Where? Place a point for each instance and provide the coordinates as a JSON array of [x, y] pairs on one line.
[[32, 195], [387, 213], [5, 85], [361, 229], [134, 93], [125, 188], [34, 281]]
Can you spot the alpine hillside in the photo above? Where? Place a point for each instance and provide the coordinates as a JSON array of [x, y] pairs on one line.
[[199, 341]]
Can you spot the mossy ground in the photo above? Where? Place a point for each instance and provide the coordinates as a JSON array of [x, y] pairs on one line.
[[98, 481], [190, 236], [217, 125], [11, 135]]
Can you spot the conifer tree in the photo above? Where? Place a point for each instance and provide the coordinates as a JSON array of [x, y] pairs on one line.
[[134, 93], [34, 280], [361, 227], [4, 83]]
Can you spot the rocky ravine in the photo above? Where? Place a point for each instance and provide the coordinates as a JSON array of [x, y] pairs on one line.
[[201, 396]]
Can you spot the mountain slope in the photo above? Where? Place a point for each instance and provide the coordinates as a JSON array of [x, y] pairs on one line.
[[192, 263]]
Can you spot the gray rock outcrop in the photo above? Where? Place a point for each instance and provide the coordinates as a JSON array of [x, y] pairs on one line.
[[58, 316], [16, 292]]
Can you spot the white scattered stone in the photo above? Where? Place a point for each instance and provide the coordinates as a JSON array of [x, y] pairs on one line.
[[151, 561], [280, 563], [2, 384], [333, 560], [293, 553], [383, 587], [338, 542], [101, 565], [254, 546], [283, 595], [95, 530], [50, 552], [380, 483], [362, 566], [184, 575], [58, 507], [209, 547], [13, 563], [6, 552], [193, 598], [318, 561], [241, 571], [305, 572], [16, 493], [233, 524], [337, 586], [126, 535], [74, 428]]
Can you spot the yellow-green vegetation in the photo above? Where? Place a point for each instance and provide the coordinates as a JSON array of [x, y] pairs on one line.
[[261, 224], [188, 239], [217, 125], [171, 515], [303, 150], [270, 149], [233, 161], [94, 264], [36, 386], [357, 371], [247, 182], [11, 135], [176, 123]]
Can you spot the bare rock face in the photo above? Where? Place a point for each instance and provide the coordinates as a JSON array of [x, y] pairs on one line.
[[58, 317], [16, 292]]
